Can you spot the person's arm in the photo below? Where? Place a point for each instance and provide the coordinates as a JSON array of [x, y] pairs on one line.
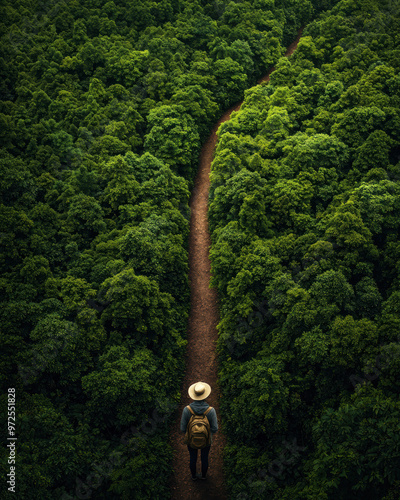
[[213, 421], [185, 419]]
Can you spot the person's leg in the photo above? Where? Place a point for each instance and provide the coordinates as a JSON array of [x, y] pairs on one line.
[[204, 460], [193, 460]]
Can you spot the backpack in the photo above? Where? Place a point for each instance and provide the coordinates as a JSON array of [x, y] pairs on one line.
[[198, 432]]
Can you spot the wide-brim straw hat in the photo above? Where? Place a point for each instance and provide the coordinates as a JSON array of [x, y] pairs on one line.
[[199, 391]]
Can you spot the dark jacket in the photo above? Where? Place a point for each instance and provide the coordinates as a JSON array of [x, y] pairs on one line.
[[200, 407]]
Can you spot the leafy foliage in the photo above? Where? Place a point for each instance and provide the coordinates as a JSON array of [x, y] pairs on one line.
[[305, 220]]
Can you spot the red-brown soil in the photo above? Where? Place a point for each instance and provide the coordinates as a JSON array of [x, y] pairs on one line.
[[201, 357]]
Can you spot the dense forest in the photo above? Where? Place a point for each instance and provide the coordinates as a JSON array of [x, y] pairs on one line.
[[305, 220], [104, 107]]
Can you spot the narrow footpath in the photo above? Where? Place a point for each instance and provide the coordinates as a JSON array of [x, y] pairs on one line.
[[201, 357]]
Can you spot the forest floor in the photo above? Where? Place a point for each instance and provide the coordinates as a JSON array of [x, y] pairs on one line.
[[201, 357]]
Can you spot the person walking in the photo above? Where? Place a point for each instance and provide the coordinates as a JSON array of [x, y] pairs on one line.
[[193, 424]]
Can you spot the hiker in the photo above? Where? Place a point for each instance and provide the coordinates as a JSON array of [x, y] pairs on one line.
[[199, 432]]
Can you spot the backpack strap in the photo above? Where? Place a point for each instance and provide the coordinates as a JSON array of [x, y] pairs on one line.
[[208, 409], [190, 409]]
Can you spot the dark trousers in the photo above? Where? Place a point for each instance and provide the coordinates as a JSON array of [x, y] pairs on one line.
[[204, 460]]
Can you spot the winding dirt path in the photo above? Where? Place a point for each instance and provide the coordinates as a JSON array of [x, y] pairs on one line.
[[201, 357]]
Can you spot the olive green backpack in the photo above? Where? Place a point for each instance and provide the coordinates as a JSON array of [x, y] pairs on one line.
[[198, 432]]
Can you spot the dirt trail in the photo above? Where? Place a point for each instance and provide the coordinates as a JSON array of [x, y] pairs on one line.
[[201, 357]]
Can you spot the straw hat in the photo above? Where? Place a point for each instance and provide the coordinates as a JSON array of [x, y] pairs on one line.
[[199, 391]]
